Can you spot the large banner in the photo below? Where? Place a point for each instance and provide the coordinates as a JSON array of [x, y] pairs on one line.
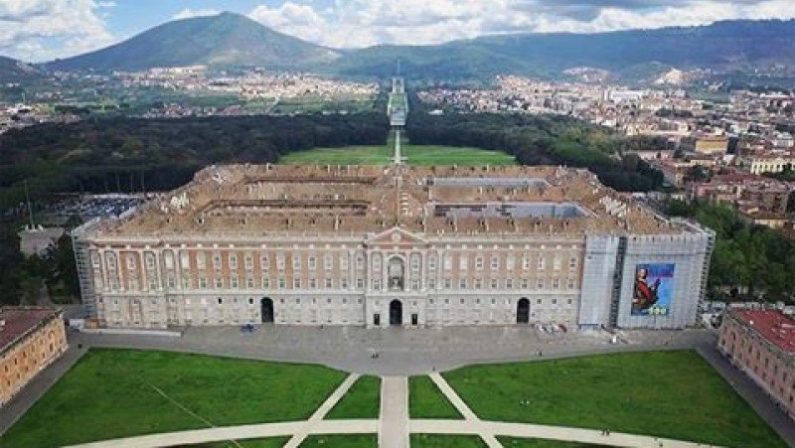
[[654, 284]]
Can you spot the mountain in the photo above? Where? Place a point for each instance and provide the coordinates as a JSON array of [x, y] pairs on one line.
[[223, 40], [740, 45], [12, 70]]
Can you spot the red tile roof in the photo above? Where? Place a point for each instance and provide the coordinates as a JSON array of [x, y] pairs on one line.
[[18, 321], [773, 325]]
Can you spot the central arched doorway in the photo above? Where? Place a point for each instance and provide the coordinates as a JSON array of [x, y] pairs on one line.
[[523, 311], [266, 305], [395, 313]]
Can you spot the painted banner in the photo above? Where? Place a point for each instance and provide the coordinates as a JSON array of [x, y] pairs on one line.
[[654, 284]]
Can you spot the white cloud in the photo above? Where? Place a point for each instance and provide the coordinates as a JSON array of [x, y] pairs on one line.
[[359, 23], [188, 13], [36, 30]]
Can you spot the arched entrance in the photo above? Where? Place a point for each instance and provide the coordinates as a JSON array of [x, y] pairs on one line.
[[523, 311], [395, 313], [266, 305]]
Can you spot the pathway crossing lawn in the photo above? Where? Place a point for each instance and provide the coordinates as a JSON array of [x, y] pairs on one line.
[[672, 394], [275, 442], [341, 441], [508, 442], [362, 400], [113, 393], [427, 401], [446, 441], [421, 155]]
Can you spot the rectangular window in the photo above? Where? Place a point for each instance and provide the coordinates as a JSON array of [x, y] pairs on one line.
[[359, 261], [541, 263], [203, 282], [556, 263], [526, 262], [264, 263], [479, 263], [328, 262], [495, 263], [462, 283], [495, 283], [572, 262], [282, 283], [344, 262], [570, 284], [312, 262], [510, 262], [359, 283], [540, 283], [280, 262], [478, 283], [344, 283], [376, 284], [463, 262], [219, 283], [312, 283], [296, 262], [266, 283], [555, 283], [296, 283], [233, 281], [431, 283], [232, 261], [184, 260], [448, 283], [249, 262], [448, 262], [216, 261], [508, 283], [432, 263], [329, 283]]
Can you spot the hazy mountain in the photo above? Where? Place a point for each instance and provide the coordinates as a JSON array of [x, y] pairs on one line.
[[226, 39], [12, 70], [233, 40], [724, 46]]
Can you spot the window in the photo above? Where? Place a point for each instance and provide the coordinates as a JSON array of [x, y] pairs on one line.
[[296, 283], [184, 260], [510, 262], [202, 282], [495, 263], [555, 283], [296, 262], [232, 261], [431, 283], [495, 283], [570, 284], [329, 283], [234, 282], [463, 262], [150, 261], [312, 262], [541, 264], [478, 283], [216, 261], [328, 262], [249, 262], [432, 263], [572, 262], [266, 283], [479, 263], [508, 283], [344, 283], [525, 283], [344, 262], [280, 262], [448, 262], [376, 283], [359, 283], [282, 283], [556, 263], [312, 283], [359, 261], [219, 283], [249, 282], [525, 262], [540, 283], [448, 283], [462, 283]]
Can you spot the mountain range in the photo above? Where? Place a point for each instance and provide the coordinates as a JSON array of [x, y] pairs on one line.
[[229, 39]]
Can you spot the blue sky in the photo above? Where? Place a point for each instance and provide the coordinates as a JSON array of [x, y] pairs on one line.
[[39, 30]]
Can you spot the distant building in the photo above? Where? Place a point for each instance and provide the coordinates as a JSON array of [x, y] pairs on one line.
[[31, 338], [708, 144], [38, 240], [761, 343], [760, 162]]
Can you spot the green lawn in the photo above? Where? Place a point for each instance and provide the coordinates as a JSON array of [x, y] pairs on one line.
[[118, 393], [381, 155], [362, 400], [341, 441], [508, 442], [672, 394], [427, 401], [446, 441], [275, 442]]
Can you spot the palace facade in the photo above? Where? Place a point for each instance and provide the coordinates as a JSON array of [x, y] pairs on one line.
[[378, 246]]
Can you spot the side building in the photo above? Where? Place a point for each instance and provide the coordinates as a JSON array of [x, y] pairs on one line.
[[761, 343], [378, 246], [31, 338]]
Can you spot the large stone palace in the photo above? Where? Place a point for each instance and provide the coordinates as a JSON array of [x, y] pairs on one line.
[[393, 245]]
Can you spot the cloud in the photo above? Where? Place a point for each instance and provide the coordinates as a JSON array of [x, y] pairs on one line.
[[36, 30], [360, 23], [188, 13]]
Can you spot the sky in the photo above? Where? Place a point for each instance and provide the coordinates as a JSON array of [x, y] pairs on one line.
[[40, 30]]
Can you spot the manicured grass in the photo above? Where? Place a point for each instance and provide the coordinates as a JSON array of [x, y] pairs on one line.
[[381, 155], [446, 441], [427, 401], [341, 441], [362, 400], [275, 442], [508, 442], [118, 393], [672, 394]]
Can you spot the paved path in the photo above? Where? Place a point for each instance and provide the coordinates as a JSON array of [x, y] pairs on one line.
[[469, 416], [393, 426], [321, 412]]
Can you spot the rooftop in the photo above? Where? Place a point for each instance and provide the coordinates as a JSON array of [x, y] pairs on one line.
[[352, 199], [17, 321], [773, 325]]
